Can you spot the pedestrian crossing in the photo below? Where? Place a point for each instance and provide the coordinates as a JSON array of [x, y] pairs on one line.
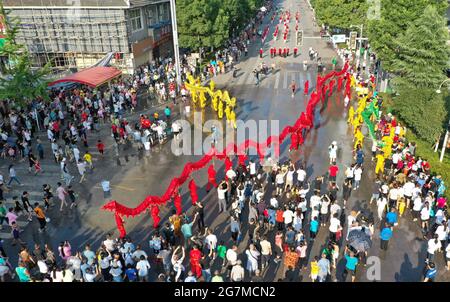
[[281, 79]]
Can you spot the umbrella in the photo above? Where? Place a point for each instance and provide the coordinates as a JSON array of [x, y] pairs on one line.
[[263, 9], [359, 240]]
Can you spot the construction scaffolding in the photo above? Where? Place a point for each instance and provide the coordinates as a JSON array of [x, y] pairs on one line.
[[73, 37]]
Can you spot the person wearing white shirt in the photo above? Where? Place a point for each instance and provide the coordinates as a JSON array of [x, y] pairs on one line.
[[396, 157], [425, 215], [417, 207], [335, 209], [109, 243], [190, 277], [289, 178], [231, 174], [279, 179], [433, 246], [76, 154], [358, 175], [349, 173], [252, 168], [142, 267], [303, 207], [335, 226], [384, 189], [324, 209], [237, 272], [297, 222], [447, 256], [211, 242], [442, 233], [274, 202], [381, 207], [314, 201], [288, 217], [231, 256], [303, 191], [301, 175], [393, 196], [221, 190], [332, 151], [408, 188]]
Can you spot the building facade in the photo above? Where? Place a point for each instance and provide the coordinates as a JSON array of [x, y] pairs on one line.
[[75, 34]]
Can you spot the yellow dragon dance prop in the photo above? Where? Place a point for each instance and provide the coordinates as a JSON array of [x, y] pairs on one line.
[[219, 99]]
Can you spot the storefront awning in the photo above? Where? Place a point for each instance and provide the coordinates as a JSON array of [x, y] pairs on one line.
[[92, 77]]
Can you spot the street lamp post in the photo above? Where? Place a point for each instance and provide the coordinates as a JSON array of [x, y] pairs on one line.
[[175, 42], [447, 132]]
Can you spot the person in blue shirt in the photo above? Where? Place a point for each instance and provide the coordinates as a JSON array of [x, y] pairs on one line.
[[391, 217], [131, 273], [430, 274], [167, 112], [385, 236], [314, 227], [350, 265], [359, 156]]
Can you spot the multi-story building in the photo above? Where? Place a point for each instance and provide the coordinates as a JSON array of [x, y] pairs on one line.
[[74, 34]]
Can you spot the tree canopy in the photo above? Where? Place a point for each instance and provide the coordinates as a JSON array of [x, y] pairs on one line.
[[340, 13], [395, 17], [422, 53], [209, 23], [19, 82]]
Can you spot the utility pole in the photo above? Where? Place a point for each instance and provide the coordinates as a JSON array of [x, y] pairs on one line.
[[175, 42], [360, 41], [444, 146]]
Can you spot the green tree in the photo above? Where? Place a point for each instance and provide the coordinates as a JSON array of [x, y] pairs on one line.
[[395, 17], [340, 13], [196, 22], [221, 28], [422, 52], [423, 111], [19, 82], [238, 13]]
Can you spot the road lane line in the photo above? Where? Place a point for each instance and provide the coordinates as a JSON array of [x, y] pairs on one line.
[[277, 80]]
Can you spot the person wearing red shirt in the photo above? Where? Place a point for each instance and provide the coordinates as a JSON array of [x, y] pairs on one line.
[[56, 129], [194, 257], [288, 51], [100, 147], [122, 133], [279, 219], [280, 51], [333, 171], [114, 128], [425, 166], [261, 53], [284, 52], [84, 116], [295, 52]]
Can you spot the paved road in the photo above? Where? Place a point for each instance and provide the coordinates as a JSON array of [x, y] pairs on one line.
[[150, 173]]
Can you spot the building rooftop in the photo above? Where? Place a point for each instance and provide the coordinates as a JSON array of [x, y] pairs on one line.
[[67, 3]]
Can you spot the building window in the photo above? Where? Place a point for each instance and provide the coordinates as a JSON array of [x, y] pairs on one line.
[[135, 19]]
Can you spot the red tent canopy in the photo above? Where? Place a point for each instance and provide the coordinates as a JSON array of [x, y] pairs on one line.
[[92, 77]]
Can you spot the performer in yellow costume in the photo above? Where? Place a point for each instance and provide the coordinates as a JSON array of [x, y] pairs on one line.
[[359, 138], [380, 164], [351, 114]]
